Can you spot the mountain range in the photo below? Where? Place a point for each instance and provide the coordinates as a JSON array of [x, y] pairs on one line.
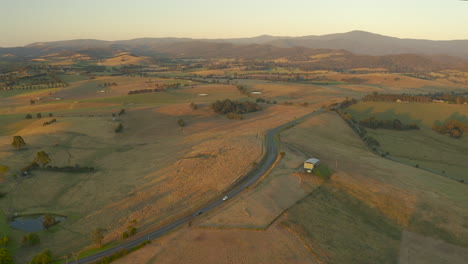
[[357, 42]]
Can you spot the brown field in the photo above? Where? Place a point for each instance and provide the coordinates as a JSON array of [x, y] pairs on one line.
[[204, 156], [206, 245], [259, 207]]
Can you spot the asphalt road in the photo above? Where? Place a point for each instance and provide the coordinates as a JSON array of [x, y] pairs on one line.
[[271, 154]]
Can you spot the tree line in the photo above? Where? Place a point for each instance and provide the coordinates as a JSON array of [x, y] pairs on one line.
[[227, 106], [421, 98], [453, 128], [396, 124]]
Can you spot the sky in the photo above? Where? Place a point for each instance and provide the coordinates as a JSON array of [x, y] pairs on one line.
[[26, 21]]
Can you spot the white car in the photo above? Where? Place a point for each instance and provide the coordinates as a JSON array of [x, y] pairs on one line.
[[225, 198]]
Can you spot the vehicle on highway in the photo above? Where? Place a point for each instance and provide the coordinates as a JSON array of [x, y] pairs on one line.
[[225, 198], [199, 213]]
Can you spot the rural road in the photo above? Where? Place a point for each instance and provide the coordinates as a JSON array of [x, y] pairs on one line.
[[271, 154]]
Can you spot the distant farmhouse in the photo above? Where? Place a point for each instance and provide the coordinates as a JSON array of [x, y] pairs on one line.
[[310, 164]]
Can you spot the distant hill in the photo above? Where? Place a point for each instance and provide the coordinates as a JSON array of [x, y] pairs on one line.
[[358, 42], [355, 49]]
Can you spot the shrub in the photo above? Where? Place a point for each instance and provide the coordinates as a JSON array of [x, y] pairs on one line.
[[193, 106], [28, 116], [282, 153], [181, 122], [322, 171], [119, 128]]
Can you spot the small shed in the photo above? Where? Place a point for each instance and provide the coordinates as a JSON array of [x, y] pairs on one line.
[[310, 164]]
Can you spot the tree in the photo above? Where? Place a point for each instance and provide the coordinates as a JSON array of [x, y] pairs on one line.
[[32, 102], [122, 111], [51, 115], [119, 128], [194, 106], [42, 158], [5, 257], [98, 235], [45, 257], [4, 241], [39, 115], [48, 221], [181, 122], [28, 116], [18, 142]]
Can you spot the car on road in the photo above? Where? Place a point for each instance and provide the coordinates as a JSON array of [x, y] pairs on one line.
[[225, 198], [199, 213]]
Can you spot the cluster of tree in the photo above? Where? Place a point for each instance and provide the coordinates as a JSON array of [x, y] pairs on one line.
[[75, 168], [131, 230], [49, 122], [109, 84], [144, 91], [420, 98], [193, 106], [30, 239], [453, 128], [5, 256], [228, 106], [34, 87], [261, 100], [348, 102], [122, 112], [18, 142], [45, 257], [48, 221], [38, 116], [41, 158], [395, 124]]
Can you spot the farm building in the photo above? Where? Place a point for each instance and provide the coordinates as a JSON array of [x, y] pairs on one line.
[[310, 164]]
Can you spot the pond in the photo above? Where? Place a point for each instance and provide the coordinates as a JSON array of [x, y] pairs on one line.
[[33, 223]]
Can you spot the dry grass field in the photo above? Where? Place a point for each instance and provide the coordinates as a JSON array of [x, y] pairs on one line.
[[171, 170], [211, 246], [417, 249]]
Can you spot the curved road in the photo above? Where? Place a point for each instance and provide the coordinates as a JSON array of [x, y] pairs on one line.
[[271, 154]]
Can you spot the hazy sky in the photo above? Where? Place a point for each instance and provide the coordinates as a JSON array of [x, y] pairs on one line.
[[26, 21]]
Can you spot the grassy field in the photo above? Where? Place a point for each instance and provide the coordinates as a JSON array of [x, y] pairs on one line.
[[424, 114], [379, 197], [341, 225], [424, 148]]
